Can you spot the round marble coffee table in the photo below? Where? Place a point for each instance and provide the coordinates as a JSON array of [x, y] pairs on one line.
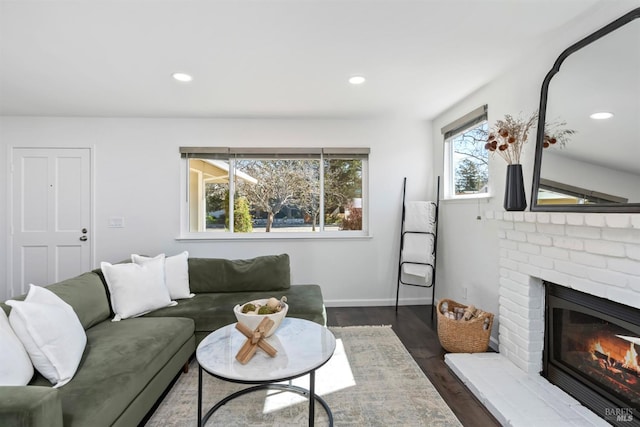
[[302, 346]]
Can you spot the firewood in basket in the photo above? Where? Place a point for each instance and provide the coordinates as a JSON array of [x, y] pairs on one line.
[[444, 307], [469, 313]]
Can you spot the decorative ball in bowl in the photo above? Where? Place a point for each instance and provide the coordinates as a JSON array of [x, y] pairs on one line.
[[252, 319]]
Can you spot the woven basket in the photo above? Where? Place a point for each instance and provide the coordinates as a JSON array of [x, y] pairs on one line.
[[463, 336]]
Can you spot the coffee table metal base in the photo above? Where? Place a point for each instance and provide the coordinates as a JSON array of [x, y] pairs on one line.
[[309, 394]]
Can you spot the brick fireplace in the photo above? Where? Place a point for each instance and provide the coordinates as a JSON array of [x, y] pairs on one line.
[[598, 254]]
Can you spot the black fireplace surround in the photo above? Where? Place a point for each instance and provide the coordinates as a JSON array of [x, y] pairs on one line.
[[591, 351]]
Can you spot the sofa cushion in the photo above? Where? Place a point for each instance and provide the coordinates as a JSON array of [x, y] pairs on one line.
[[85, 293], [264, 273], [120, 360], [30, 406], [15, 365], [136, 289], [176, 273], [51, 333], [211, 311]]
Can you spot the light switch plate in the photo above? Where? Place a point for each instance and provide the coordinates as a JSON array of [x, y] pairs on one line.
[[116, 222]]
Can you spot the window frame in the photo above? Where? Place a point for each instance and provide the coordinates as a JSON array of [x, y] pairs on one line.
[[187, 153], [458, 127]]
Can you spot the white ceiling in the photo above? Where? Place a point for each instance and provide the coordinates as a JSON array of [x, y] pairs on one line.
[[268, 58]]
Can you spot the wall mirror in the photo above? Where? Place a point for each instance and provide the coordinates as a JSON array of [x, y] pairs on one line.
[[597, 169]]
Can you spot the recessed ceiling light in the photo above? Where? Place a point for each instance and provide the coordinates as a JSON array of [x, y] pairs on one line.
[[357, 80], [603, 115], [182, 77]]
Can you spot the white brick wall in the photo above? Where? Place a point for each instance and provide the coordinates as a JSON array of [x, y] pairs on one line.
[[594, 253]]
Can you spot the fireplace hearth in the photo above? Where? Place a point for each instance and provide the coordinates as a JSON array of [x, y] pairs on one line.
[[591, 352]]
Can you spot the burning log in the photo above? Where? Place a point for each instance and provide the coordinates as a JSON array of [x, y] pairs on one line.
[[614, 365]]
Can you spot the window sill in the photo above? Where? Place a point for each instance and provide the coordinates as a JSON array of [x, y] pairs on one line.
[[463, 199], [204, 237]]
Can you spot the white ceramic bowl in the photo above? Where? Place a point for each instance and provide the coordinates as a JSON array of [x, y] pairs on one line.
[[253, 320]]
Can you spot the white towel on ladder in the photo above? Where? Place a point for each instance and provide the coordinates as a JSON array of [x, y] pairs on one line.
[[416, 252], [420, 216], [417, 274]]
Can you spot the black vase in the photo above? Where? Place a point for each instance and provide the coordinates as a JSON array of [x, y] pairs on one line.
[[514, 197]]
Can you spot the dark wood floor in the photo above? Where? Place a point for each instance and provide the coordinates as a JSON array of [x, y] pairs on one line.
[[419, 335]]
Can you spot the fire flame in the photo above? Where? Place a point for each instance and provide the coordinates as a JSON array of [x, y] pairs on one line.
[[598, 347], [631, 359]]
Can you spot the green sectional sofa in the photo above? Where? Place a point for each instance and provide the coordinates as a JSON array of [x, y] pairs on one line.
[[127, 365]]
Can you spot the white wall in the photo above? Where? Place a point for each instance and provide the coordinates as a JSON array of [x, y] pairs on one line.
[[137, 176], [469, 253]]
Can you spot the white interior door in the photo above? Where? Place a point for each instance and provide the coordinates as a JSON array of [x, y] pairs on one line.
[[51, 219]]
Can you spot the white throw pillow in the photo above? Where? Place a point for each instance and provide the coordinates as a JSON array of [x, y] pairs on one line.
[[15, 365], [51, 333], [136, 289], [176, 269]]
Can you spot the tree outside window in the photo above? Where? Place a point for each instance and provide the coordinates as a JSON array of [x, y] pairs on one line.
[[343, 193], [285, 190], [468, 162]]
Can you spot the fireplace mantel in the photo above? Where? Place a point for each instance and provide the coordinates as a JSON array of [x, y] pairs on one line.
[[608, 220]]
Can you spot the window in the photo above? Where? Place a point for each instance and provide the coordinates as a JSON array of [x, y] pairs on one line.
[[279, 190], [466, 161]]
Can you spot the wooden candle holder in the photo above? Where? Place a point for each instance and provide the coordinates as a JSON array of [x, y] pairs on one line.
[[255, 339]]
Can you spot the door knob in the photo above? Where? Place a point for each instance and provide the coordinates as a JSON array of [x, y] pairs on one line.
[[83, 238]]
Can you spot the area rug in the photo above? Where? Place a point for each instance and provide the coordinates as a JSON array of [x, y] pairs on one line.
[[371, 380]]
